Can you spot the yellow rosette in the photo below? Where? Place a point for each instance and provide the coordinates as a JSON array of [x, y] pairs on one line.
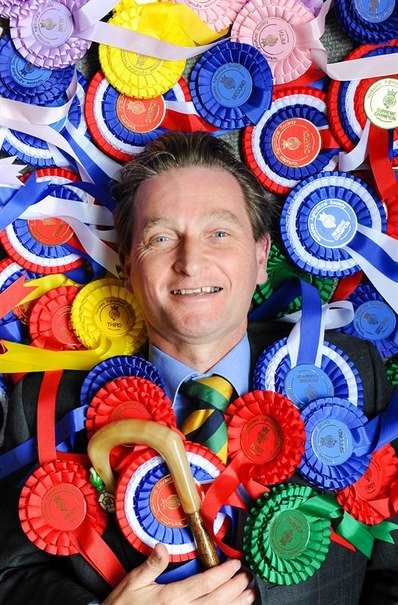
[[105, 310]]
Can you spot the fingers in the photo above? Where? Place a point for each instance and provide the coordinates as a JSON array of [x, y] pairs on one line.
[[147, 573], [211, 579], [233, 592]]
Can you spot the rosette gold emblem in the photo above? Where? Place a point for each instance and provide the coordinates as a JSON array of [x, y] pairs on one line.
[[269, 40], [374, 6], [172, 502], [263, 434], [291, 143], [114, 312], [328, 441], [227, 82], [136, 107], [286, 537], [48, 24], [27, 69], [390, 99]]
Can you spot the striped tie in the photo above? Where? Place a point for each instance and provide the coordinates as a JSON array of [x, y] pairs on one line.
[[206, 425]]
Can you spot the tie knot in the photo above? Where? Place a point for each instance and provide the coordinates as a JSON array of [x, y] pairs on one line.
[[212, 392]]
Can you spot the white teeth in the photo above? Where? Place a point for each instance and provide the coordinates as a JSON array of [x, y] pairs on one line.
[[203, 290]]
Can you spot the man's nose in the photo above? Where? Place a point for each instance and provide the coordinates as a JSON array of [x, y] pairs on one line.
[[190, 256]]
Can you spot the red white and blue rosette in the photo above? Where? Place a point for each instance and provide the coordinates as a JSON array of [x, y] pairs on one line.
[[121, 125], [374, 497], [41, 245], [231, 85], [10, 324], [148, 509], [291, 141], [37, 152], [117, 366], [42, 31], [337, 375], [331, 458], [374, 320], [368, 21], [346, 101], [322, 216], [270, 28], [23, 81]]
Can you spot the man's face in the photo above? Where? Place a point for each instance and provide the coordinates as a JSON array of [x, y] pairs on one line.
[[193, 263]]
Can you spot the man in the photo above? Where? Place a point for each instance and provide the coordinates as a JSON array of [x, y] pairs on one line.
[[193, 227]]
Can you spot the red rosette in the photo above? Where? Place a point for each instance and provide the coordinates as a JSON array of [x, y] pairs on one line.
[[56, 501], [369, 500], [49, 321], [148, 509], [128, 397], [267, 431]]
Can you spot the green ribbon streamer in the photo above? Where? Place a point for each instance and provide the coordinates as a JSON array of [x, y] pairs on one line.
[[359, 534]]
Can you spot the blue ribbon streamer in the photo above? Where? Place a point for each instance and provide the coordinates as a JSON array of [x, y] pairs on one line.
[[26, 452], [310, 325], [27, 195], [379, 431], [277, 301], [375, 255]]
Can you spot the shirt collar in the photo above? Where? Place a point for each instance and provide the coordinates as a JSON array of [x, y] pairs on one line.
[[234, 366]]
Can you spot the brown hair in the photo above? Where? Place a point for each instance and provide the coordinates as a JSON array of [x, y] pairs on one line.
[[179, 150]]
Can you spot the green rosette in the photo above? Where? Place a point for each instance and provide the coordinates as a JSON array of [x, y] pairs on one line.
[[281, 270], [283, 544], [391, 366]]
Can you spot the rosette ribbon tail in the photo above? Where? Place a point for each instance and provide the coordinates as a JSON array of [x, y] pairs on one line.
[[380, 430], [169, 444]]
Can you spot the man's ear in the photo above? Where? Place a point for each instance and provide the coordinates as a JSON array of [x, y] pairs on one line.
[[262, 250], [126, 266]]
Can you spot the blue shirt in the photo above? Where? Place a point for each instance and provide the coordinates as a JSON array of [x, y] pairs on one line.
[[234, 367]]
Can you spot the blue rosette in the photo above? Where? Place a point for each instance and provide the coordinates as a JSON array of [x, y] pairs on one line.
[[23, 81], [321, 216], [148, 509], [285, 146], [116, 367], [374, 320], [231, 85], [330, 460], [368, 21], [337, 376], [34, 151]]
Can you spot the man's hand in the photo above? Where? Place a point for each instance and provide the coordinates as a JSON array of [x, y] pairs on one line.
[[216, 586]]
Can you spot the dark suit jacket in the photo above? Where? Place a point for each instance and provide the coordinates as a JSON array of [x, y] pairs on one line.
[[29, 576]]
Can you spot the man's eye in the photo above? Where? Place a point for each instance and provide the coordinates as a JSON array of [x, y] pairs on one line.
[[159, 239], [220, 234]]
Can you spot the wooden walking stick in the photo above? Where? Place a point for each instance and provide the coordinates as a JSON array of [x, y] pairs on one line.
[[170, 446]]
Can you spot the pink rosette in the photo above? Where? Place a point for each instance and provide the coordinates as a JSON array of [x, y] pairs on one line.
[[42, 32], [218, 14], [269, 26]]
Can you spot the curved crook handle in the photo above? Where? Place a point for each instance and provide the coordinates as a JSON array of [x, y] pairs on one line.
[[169, 444]]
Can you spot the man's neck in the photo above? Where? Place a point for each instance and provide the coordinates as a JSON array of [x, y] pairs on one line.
[[199, 357]]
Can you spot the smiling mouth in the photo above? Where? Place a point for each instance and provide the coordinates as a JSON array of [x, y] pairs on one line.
[[190, 292]]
